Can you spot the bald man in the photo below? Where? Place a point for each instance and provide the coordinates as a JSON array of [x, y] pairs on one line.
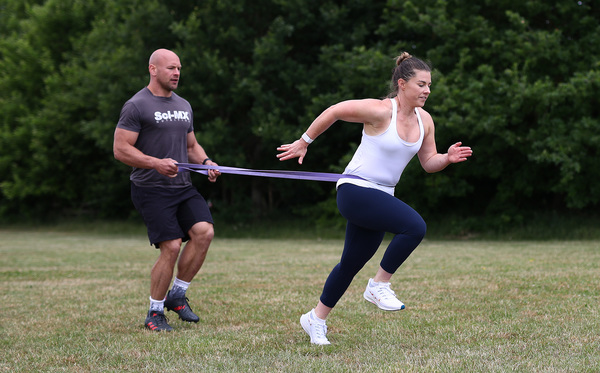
[[155, 131]]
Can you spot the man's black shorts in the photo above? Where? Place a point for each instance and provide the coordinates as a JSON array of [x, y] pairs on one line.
[[169, 213]]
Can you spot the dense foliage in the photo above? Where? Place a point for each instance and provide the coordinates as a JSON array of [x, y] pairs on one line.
[[516, 81]]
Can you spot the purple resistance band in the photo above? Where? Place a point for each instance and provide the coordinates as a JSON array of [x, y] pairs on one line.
[[299, 175]]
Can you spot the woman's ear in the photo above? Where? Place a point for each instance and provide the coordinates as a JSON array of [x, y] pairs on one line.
[[401, 84]]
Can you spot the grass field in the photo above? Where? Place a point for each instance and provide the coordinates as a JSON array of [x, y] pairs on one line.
[[75, 301]]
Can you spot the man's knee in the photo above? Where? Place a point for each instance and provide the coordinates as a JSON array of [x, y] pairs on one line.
[[170, 248], [202, 231]]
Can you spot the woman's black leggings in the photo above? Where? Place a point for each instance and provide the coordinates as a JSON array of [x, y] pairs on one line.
[[371, 213]]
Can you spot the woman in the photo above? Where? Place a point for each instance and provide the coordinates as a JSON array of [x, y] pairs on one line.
[[394, 130]]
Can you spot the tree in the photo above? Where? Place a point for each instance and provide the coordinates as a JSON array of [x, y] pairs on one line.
[[516, 81]]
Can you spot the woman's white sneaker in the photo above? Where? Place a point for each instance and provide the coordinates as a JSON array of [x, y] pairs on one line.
[[380, 294], [315, 328]]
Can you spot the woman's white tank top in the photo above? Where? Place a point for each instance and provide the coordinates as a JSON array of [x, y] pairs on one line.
[[380, 160]]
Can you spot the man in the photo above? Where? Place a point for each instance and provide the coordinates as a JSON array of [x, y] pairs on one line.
[[155, 131]]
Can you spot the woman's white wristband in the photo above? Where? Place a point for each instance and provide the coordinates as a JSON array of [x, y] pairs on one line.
[[307, 138]]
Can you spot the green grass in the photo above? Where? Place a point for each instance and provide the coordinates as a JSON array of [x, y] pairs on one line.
[[75, 301]]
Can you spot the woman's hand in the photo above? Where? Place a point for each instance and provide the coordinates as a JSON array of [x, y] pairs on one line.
[[458, 153], [297, 149]]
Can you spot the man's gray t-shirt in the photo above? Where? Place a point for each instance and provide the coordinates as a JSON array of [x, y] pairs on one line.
[[163, 124]]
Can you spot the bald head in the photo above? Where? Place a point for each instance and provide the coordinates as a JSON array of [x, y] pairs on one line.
[[164, 68], [161, 55]]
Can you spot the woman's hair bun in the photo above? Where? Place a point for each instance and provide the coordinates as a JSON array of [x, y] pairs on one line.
[[404, 56]]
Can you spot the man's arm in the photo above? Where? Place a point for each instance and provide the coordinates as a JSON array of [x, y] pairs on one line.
[[125, 151], [197, 154]]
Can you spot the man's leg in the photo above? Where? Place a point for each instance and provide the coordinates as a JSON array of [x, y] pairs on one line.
[[190, 262], [195, 250], [160, 278], [162, 271]]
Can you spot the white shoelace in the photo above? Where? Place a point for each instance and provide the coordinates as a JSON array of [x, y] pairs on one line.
[[385, 292], [320, 330]]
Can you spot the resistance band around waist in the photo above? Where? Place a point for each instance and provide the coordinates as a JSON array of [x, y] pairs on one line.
[[281, 174]]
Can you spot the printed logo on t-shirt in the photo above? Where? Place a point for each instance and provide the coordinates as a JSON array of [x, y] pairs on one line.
[[172, 115]]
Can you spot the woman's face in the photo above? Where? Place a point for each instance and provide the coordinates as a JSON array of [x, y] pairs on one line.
[[417, 89]]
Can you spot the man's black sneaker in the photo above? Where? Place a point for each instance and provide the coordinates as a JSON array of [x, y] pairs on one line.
[[181, 307], [157, 321]]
